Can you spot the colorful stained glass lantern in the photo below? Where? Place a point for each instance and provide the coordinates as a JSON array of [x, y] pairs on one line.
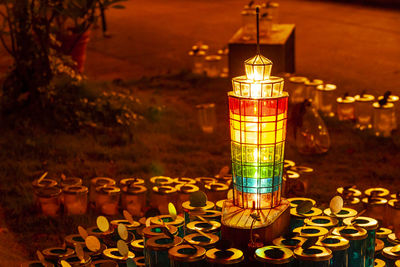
[[258, 115]]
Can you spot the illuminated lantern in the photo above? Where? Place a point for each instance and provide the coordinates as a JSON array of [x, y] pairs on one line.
[[395, 100], [325, 99], [364, 111], [383, 119], [345, 108], [258, 115]]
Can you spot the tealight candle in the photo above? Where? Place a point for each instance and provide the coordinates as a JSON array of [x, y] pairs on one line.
[[161, 196], [157, 250], [202, 241], [212, 227], [96, 182], [113, 254], [290, 242], [269, 257], [161, 180], [216, 191], [338, 245], [364, 111], [297, 219], [345, 108], [74, 260], [313, 256], [322, 221], [395, 100], [296, 89], [168, 220], [232, 257], [138, 247], [54, 254], [383, 234], [389, 256], [325, 99], [70, 181], [184, 191], [187, 256], [310, 87], [48, 199], [376, 208], [128, 181], [75, 199]]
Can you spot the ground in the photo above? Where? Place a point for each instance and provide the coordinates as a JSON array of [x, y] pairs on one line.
[[353, 46]]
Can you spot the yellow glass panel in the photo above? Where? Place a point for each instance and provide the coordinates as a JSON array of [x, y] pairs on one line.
[[257, 119]]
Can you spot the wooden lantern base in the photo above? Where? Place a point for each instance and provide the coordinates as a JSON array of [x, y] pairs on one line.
[[236, 223]]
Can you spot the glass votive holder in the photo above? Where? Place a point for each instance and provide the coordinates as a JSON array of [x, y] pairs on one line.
[[197, 239], [310, 87], [377, 192], [70, 181], [114, 255], [295, 201], [75, 199], [232, 257], [341, 215], [184, 191], [161, 196], [213, 66], [157, 250], [96, 182], [133, 199], [324, 99], [345, 108], [311, 231], [338, 245], [179, 222], [395, 100], [383, 234], [207, 117], [198, 62], [48, 200], [267, 256], [202, 181], [107, 200], [161, 180], [322, 221], [375, 208], [383, 119], [389, 256], [54, 254], [216, 191], [296, 89], [187, 255], [131, 227], [364, 111], [191, 212], [297, 219], [313, 256], [138, 247], [289, 242], [128, 181], [249, 28]]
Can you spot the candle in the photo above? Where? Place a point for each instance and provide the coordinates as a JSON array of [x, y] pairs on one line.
[[48, 199], [383, 119], [364, 111], [324, 99], [75, 199], [107, 200], [345, 108]]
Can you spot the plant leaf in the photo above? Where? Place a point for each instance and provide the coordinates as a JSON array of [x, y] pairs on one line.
[[172, 211], [93, 243], [122, 231], [122, 248], [103, 224], [167, 232], [198, 199], [336, 204], [309, 242], [79, 252], [130, 263], [304, 207], [42, 177], [128, 217], [82, 232], [65, 264]]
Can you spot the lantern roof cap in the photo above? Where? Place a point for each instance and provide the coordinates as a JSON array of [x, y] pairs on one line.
[[258, 60]]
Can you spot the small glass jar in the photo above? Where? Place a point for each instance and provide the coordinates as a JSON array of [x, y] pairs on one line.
[[389, 256], [202, 181], [370, 225], [375, 208], [131, 227], [296, 89], [213, 66], [324, 99], [75, 199], [179, 222], [75, 261], [134, 199], [138, 247], [161, 196], [161, 180], [295, 201], [128, 181], [383, 234], [269, 257], [216, 191], [341, 215], [211, 227], [219, 204], [48, 200], [392, 217], [184, 191], [345, 108], [358, 245], [310, 88], [207, 117], [297, 219], [232, 257], [290, 243], [71, 181], [317, 256], [55, 254], [202, 241], [338, 245], [191, 212], [311, 231], [96, 182], [322, 221], [347, 192], [157, 250], [187, 256], [107, 200], [383, 119], [395, 100], [364, 111], [114, 255]]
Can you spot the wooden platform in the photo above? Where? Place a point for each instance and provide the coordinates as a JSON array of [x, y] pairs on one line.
[[279, 47]]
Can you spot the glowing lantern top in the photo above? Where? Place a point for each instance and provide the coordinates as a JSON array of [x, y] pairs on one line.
[[258, 68]]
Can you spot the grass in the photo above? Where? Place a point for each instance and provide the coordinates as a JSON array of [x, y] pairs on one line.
[[167, 142]]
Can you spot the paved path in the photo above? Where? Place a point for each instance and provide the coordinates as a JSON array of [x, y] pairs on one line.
[[353, 46]]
